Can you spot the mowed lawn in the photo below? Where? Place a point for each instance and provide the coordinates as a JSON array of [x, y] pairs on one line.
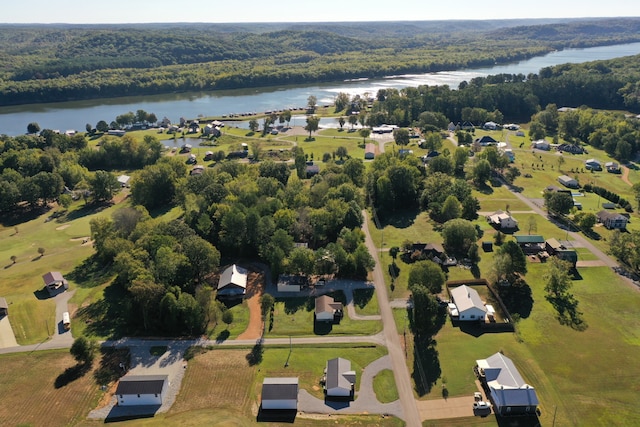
[[33, 319], [222, 388], [589, 375], [30, 396]]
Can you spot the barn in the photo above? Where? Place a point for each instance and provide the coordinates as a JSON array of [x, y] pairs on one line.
[[137, 390], [280, 393]]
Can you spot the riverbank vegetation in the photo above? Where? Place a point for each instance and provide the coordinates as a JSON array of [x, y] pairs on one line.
[[61, 63]]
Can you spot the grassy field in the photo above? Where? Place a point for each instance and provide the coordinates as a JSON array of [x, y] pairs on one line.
[[36, 393], [33, 318], [294, 317], [210, 396]]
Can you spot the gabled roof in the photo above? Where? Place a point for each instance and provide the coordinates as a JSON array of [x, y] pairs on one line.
[[326, 304], [528, 238], [554, 244], [339, 374], [141, 384], [465, 298], [280, 388], [233, 276], [612, 216], [53, 277], [507, 386], [3, 303]]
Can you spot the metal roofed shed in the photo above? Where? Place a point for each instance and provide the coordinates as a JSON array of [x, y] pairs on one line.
[[137, 390], [280, 393]]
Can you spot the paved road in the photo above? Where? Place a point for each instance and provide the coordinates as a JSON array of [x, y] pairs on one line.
[[396, 352], [582, 241]]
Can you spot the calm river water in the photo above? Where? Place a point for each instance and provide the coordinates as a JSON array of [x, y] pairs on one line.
[[75, 115]]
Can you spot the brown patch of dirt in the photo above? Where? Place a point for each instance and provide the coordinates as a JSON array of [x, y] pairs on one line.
[[62, 227], [255, 288], [625, 176]]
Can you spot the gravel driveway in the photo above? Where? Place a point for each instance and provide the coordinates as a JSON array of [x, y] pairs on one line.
[[170, 363]]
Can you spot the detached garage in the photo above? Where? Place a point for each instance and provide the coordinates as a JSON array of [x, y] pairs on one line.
[[137, 390], [280, 393]]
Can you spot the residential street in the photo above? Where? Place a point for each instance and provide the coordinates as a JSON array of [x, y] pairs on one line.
[[396, 353]]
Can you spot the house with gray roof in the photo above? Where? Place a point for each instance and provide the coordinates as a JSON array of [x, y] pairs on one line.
[[612, 220], [339, 379], [137, 390], [510, 394]]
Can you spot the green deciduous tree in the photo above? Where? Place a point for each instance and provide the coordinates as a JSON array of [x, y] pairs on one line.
[[83, 350], [426, 274]]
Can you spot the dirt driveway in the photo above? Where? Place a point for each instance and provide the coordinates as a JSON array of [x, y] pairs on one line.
[[255, 288]]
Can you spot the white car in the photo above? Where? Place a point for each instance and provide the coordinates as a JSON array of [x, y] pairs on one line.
[[477, 396], [480, 405]]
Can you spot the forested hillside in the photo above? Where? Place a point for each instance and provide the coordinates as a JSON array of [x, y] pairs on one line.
[[58, 63]]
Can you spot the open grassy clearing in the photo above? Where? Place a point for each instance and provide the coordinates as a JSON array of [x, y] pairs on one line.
[[32, 313], [35, 392], [385, 386], [295, 317], [210, 396]]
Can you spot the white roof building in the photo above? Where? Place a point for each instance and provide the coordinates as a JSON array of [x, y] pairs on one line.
[[468, 303], [233, 281], [510, 393]]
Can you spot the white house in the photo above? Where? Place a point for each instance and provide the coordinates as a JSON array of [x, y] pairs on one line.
[[510, 394], [502, 220], [468, 304], [568, 182], [490, 125], [541, 144], [327, 309], [135, 390], [280, 393], [339, 379], [233, 282], [124, 180]]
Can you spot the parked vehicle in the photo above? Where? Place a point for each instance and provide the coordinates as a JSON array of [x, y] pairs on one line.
[[66, 320]]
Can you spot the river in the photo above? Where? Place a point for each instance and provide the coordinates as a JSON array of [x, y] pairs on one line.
[[75, 115]]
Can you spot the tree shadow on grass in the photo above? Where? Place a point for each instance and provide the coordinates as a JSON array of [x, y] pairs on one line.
[[71, 374], [361, 297], [400, 219], [108, 316], [223, 336], [90, 273], [113, 364], [517, 298], [292, 305], [567, 312], [426, 365]]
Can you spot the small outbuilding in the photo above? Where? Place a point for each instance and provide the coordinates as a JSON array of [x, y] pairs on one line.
[[233, 282], [280, 393], [612, 167], [568, 182], [124, 180], [468, 304], [327, 309], [4, 307], [541, 144], [370, 151], [339, 379], [137, 390], [55, 282]]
